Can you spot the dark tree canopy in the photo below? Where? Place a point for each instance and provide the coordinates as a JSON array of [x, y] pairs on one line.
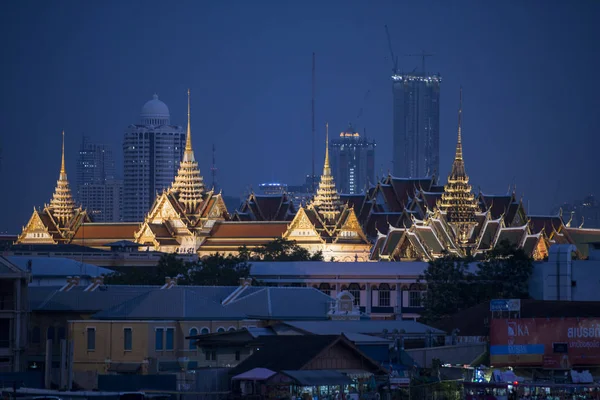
[[214, 270], [503, 274]]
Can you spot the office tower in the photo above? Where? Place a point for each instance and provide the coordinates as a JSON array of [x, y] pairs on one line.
[[152, 150], [416, 139], [352, 161], [97, 189]]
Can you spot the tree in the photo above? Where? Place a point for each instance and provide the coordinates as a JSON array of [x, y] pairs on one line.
[[169, 265], [447, 281], [505, 273], [218, 270], [282, 250], [451, 287]]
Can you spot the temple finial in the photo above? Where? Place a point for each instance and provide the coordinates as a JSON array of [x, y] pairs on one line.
[[63, 170], [326, 166], [188, 138], [459, 154]]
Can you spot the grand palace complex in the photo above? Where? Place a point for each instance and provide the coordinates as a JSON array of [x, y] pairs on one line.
[[397, 219]]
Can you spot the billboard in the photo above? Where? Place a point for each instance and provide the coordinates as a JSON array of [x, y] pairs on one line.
[[548, 342]]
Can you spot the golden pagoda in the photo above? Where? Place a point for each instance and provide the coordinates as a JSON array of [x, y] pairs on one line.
[[327, 199], [457, 201], [58, 221], [328, 225], [182, 216]]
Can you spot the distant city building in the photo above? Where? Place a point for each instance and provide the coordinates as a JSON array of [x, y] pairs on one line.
[[152, 151], [302, 194], [352, 161], [584, 213], [416, 136], [97, 189], [272, 188]]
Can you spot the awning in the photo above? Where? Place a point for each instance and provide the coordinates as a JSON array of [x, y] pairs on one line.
[[356, 373], [321, 377], [124, 368], [256, 374]]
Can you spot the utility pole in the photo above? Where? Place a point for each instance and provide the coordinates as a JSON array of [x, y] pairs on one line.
[[312, 177]]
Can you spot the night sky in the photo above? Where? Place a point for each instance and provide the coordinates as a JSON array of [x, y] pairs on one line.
[[529, 71]]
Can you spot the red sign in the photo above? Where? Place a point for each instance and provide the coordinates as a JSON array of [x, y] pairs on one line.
[[551, 343]]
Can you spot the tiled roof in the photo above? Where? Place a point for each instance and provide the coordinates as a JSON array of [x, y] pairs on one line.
[[279, 353], [249, 229], [102, 230]]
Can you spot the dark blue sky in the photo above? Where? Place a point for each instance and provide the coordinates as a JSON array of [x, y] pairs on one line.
[[529, 71]]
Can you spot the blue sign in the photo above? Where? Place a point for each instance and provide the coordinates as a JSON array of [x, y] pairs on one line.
[[505, 305]]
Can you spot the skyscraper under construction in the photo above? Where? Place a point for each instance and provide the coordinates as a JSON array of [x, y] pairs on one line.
[[416, 133]]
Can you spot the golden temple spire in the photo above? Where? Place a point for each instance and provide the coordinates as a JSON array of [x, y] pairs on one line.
[[188, 155], [327, 200], [62, 203], [63, 170], [189, 184], [457, 200], [326, 167]]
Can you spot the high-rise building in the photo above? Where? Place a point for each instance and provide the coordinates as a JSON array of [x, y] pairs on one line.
[[152, 152], [416, 124], [97, 189], [352, 161]]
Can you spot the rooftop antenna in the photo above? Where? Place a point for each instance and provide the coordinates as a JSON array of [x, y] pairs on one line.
[[423, 54], [312, 177], [213, 168]]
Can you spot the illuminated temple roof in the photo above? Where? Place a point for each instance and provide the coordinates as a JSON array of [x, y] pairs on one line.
[[58, 221]]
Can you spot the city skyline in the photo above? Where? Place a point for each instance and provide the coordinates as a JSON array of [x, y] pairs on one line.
[[512, 137]]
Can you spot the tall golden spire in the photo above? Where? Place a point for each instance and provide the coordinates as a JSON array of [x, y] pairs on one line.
[[188, 183], [327, 200], [63, 170], [62, 203], [457, 201], [188, 155]]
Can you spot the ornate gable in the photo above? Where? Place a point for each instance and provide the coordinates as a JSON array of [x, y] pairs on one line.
[[146, 236], [36, 231], [351, 228], [302, 228], [162, 211]]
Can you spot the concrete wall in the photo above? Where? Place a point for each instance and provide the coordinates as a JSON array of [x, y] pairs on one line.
[[458, 354], [110, 340], [562, 278]]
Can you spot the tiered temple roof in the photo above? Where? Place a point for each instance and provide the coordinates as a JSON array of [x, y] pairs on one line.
[[275, 207], [184, 215], [457, 202], [57, 222], [327, 224]]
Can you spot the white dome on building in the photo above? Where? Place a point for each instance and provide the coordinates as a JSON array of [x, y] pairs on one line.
[[155, 112]]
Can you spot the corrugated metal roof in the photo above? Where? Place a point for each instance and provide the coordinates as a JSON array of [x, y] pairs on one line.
[[284, 303], [56, 266], [321, 268], [364, 327], [178, 303]]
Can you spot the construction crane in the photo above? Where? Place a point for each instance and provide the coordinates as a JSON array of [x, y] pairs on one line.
[[423, 54], [394, 59]]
